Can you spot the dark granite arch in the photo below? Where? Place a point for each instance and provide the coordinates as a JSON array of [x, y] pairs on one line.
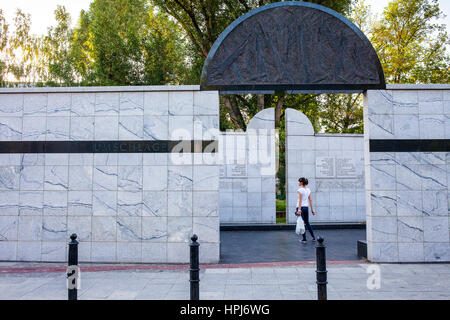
[[295, 46]]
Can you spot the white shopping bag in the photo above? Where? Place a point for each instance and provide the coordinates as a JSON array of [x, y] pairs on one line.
[[300, 227]]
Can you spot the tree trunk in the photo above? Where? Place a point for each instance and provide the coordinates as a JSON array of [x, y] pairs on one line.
[[260, 99], [235, 113], [278, 108]]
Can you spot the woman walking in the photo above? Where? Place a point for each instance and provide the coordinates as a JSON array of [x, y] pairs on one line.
[[304, 203]]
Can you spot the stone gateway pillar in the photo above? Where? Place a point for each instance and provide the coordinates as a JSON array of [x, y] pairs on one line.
[[406, 144]]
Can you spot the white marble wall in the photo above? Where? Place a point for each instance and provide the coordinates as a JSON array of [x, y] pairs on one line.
[[407, 192], [129, 207], [338, 195], [247, 181]]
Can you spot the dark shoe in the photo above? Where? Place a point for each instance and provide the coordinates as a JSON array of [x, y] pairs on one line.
[[303, 241]]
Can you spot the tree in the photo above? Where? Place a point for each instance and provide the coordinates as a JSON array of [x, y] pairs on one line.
[[341, 113], [56, 50], [116, 45], [4, 30], [204, 20], [81, 48], [165, 51], [361, 15], [126, 42], [23, 50], [115, 42], [411, 46]]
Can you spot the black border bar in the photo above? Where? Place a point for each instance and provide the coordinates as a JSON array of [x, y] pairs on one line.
[[129, 146], [409, 145], [305, 88]]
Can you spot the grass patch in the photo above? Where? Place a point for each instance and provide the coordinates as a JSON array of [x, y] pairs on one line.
[[281, 219], [281, 205], [281, 211]]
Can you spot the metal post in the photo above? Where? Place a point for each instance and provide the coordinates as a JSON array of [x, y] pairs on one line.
[[72, 269], [195, 269], [321, 272]]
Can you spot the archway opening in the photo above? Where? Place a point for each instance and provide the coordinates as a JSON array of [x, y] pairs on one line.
[[290, 48]]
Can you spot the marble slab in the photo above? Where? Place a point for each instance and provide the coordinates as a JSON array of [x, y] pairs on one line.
[[125, 208]]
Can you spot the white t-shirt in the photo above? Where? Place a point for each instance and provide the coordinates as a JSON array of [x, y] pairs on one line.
[[305, 192]]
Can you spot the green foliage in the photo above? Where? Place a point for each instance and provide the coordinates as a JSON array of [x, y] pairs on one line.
[[281, 205], [165, 51], [115, 33], [81, 48], [23, 50], [341, 113], [204, 20], [4, 29], [115, 42], [125, 42], [281, 219], [56, 50], [225, 121], [411, 46], [281, 173], [361, 16]]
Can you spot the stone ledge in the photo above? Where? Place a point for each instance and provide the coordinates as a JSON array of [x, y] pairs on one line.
[[346, 135], [100, 89], [268, 227], [418, 87]]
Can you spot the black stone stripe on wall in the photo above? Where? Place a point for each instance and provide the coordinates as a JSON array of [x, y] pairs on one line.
[[410, 145], [132, 146]]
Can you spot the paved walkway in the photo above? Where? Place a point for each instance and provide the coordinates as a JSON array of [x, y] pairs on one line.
[[284, 245], [277, 281]]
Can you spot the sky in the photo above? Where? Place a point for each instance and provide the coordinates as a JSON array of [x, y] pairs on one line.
[[42, 10]]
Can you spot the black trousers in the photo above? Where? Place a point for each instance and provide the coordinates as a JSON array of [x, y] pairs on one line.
[[305, 217]]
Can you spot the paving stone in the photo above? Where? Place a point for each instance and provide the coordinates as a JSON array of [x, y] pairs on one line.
[[123, 295], [206, 295], [283, 245], [154, 292], [399, 281]]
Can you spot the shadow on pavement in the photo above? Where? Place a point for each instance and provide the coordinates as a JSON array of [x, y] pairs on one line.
[[284, 245]]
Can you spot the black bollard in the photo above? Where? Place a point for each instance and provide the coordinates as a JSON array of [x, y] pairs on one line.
[[321, 272], [72, 268], [195, 269]]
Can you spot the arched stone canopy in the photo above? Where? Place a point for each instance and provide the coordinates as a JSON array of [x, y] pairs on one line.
[[294, 46]]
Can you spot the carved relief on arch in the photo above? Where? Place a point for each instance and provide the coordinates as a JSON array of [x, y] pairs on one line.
[[292, 45]]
